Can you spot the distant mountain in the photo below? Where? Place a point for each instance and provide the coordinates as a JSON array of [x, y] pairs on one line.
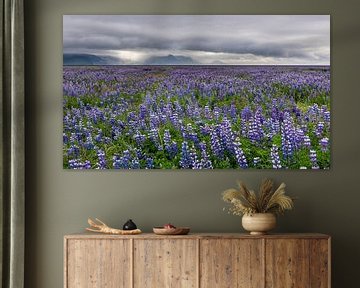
[[170, 60], [89, 59]]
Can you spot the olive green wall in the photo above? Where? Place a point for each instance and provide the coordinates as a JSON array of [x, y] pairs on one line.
[[59, 201]]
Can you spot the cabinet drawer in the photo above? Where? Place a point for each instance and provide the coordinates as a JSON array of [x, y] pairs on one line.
[[231, 263], [98, 263], [165, 263], [297, 263]]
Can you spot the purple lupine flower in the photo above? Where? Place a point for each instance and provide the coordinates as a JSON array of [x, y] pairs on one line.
[[117, 164], [196, 113], [239, 154], [256, 160], [256, 132], [154, 137], [149, 163], [101, 164], [313, 159], [79, 126], [77, 164], [190, 134], [142, 111], [170, 146], [73, 151], [217, 112], [299, 137], [112, 120], [275, 159], [65, 138], [304, 128], [186, 160], [107, 140], [168, 109], [327, 116], [324, 143], [116, 132], [307, 142], [276, 110], [167, 138], [319, 129], [215, 144], [123, 162], [138, 153], [178, 108], [87, 164], [173, 150], [194, 158], [132, 127], [207, 112], [274, 127], [74, 137], [126, 159], [205, 162], [99, 136], [139, 138], [154, 120], [163, 118], [226, 135], [135, 164], [74, 164], [246, 115], [89, 144], [205, 130], [233, 111], [288, 136]]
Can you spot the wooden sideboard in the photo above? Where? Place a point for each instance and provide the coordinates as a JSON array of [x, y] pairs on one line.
[[197, 260]]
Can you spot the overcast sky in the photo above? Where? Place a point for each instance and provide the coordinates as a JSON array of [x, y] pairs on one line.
[[207, 39]]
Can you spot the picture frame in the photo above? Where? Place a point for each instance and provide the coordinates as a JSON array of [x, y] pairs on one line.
[[205, 92]]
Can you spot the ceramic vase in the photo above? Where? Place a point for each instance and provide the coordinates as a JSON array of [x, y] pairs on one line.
[[259, 223]]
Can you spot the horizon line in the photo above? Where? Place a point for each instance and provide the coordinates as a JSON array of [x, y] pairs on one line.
[[318, 65]]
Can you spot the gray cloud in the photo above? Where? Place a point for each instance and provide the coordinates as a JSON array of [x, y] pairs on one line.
[[285, 39]]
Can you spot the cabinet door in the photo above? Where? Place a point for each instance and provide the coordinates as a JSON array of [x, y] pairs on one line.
[[98, 263], [287, 263], [165, 263], [320, 263], [231, 263]]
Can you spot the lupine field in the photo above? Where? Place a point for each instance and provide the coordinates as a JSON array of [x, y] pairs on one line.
[[196, 117]]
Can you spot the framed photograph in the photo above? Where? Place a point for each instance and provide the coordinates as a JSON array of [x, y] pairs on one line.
[[196, 92]]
